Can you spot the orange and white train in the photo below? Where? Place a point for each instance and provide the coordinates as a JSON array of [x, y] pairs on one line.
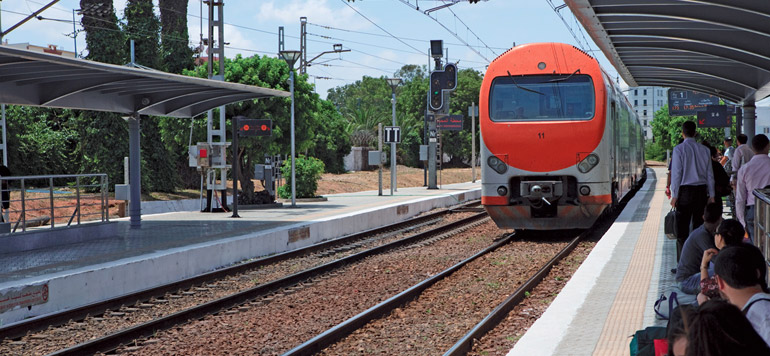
[[560, 142]]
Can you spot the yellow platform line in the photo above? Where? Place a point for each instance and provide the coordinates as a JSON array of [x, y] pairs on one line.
[[627, 312]]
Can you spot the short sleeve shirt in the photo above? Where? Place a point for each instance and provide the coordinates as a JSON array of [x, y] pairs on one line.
[[759, 314]]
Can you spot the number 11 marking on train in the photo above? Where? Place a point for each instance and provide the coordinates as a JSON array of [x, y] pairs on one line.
[[541, 135]]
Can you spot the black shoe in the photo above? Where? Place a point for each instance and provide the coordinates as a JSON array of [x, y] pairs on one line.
[[673, 270]]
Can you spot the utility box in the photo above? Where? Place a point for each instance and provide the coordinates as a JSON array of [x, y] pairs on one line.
[[423, 152], [122, 191], [264, 172], [199, 155], [218, 155], [376, 158]]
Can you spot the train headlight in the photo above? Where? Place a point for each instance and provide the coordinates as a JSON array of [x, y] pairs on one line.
[[502, 191], [497, 164], [585, 190], [588, 163]]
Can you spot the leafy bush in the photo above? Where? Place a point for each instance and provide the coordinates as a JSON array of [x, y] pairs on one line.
[[654, 151], [308, 170]]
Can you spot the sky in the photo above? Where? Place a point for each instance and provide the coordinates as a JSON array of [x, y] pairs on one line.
[[382, 35]]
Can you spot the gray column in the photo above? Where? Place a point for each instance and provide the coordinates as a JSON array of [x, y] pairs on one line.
[[135, 205], [749, 121]]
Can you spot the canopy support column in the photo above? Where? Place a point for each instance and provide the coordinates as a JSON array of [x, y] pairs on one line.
[[749, 121], [135, 205]]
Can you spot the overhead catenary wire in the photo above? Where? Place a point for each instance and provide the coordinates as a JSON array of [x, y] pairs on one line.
[[381, 35], [586, 47], [407, 3], [380, 27]]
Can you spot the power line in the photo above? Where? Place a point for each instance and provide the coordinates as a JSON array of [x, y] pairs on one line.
[[407, 3], [557, 9], [381, 35], [378, 26]]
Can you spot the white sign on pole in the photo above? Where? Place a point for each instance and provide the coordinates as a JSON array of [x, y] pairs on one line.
[[392, 134]]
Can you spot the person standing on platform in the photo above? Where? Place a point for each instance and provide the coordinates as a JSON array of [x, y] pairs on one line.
[[692, 183], [727, 156], [755, 174], [741, 156], [740, 273]]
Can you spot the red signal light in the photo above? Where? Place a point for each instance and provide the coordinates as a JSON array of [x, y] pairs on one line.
[[264, 128], [203, 153], [245, 128]]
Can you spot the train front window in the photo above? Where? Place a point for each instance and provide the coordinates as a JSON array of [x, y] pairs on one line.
[[542, 98]]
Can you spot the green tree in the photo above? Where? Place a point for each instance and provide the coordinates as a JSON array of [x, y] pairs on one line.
[[269, 73], [176, 52], [667, 133], [457, 144], [104, 39], [40, 141], [142, 26]]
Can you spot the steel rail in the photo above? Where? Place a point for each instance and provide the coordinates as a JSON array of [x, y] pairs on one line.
[[17, 330], [465, 345], [113, 341], [347, 327]]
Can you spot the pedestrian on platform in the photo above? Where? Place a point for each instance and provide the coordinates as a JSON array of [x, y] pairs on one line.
[[727, 156], [719, 329], [755, 174], [721, 179], [692, 183], [740, 273], [729, 233], [700, 240], [741, 156]]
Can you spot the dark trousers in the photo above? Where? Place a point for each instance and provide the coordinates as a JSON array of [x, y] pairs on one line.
[[690, 204], [749, 218]]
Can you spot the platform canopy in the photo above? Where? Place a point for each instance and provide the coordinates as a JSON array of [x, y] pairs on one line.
[[719, 47], [41, 79]]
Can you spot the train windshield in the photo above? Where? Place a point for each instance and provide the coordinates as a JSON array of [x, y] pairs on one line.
[[542, 98]]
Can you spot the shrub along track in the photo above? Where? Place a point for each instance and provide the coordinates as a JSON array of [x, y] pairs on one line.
[[51, 333]]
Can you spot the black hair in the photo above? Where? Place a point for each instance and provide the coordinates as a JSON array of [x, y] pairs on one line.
[[719, 328], [712, 149], [759, 142], [742, 139], [688, 128], [729, 139], [713, 212], [741, 266], [732, 232], [678, 324]]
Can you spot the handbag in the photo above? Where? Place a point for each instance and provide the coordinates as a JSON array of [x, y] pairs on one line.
[[669, 225]]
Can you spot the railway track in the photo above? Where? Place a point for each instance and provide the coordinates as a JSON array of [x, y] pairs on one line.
[[405, 324], [202, 285]]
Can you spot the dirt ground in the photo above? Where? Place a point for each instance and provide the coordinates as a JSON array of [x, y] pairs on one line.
[[406, 177]]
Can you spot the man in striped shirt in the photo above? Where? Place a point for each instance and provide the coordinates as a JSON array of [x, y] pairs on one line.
[[692, 183]]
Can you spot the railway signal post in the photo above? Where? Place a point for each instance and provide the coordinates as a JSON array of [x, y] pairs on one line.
[[442, 82]]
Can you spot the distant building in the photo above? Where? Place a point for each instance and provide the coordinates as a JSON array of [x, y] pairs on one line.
[[646, 101], [762, 126], [52, 49]]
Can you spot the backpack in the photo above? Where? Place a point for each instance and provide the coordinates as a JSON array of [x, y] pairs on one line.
[[643, 342]]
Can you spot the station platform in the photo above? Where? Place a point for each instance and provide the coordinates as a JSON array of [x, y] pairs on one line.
[[173, 246], [612, 294]]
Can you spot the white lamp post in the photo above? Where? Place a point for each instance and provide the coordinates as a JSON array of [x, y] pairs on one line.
[[291, 57], [393, 82]]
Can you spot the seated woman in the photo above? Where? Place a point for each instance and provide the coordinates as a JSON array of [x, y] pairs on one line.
[[720, 328], [729, 233]]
